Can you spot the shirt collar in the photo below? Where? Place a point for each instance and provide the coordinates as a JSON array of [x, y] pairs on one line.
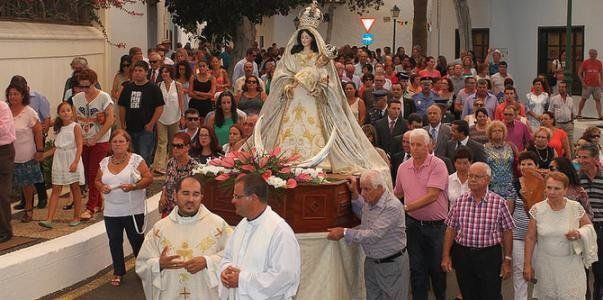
[[177, 218], [259, 219], [390, 120], [381, 202], [464, 141], [484, 199], [437, 128], [425, 163]]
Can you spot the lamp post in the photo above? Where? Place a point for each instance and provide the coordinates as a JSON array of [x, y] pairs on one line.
[[569, 71], [395, 14]]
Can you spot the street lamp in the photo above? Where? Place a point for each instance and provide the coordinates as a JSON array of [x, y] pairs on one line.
[[395, 14]]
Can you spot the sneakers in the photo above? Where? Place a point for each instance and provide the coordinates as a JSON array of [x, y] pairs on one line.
[[47, 224]]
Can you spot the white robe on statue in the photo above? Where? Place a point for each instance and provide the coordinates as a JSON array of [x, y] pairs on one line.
[[267, 253], [204, 234]]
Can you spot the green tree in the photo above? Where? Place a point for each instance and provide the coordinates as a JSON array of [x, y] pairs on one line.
[[234, 20]]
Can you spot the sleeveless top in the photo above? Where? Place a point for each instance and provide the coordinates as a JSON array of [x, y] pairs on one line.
[[117, 202], [203, 87], [220, 81], [171, 109], [354, 108], [223, 131], [250, 104]]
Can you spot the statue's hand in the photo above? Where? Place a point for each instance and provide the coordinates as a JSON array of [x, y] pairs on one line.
[[288, 90]]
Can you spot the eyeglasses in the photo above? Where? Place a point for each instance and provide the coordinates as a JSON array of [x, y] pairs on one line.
[[178, 146], [475, 176], [596, 136], [84, 86], [192, 118], [251, 81], [237, 197], [553, 168]]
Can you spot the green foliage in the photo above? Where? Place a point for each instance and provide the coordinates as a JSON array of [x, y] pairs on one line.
[[224, 16]]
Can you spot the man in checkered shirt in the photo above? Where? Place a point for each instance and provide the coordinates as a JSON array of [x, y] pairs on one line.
[[478, 225]]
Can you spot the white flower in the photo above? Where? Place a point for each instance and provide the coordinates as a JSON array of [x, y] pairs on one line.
[[276, 182]]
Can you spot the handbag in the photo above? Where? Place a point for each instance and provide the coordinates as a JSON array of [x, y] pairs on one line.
[[135, 177]]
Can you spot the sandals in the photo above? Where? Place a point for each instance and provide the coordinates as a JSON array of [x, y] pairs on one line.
[[86, 215], [116, 280], [47, 224], [26, 216]]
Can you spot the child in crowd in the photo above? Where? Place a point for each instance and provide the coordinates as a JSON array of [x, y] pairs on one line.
[[67, 166]]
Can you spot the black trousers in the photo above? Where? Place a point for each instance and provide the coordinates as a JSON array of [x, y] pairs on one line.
[[7, 158], [115, 231], [478, 271]]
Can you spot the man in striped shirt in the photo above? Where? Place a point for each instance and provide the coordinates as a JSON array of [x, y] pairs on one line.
[[477, 224], [591, 179]]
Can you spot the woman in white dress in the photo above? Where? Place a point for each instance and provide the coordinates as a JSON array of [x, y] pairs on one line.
[[560, 227], [537, 102], [307, 103]]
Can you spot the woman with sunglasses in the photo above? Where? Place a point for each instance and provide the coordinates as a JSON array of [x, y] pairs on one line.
[[592, 134], [121, 76], [179, 166], [252, 97]]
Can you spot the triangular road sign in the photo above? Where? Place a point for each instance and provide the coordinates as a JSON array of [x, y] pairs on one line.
[[367, 23]]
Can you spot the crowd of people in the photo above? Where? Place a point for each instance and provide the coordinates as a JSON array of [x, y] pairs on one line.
[[458, 137]]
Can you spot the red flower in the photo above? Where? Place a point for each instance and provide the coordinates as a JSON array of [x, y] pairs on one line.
[[291, 183], [267, 175], [223, 177]]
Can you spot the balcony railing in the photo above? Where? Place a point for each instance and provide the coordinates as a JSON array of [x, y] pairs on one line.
[[72, 12]]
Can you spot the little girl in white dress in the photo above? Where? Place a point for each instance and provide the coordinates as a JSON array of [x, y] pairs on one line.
[[67, 166]]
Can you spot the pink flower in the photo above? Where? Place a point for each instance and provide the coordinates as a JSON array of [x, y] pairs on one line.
[[223, 177], [263, 161], [303, 177], [249, 168], [215, 162], [242, 156], [291, 183], [294, 157], [267, 175], [228, 162], [285, 170], [276, 151]]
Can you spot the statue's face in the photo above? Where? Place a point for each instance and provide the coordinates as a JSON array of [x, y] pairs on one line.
[[306, 39]]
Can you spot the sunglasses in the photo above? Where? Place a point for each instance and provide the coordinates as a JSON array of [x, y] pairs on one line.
[[596, 136], [84, 86], [178, 146], [153, 61], [552, 168], [251, 81], [192, 119]]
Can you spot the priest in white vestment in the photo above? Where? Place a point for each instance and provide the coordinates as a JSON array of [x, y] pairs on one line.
[[181, 254], [262, 259]]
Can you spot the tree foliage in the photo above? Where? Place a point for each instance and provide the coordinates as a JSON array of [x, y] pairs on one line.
[[223, 17]]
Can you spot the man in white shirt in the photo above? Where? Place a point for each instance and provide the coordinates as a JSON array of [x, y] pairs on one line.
[[262, 259], [182, 253], [363, 59], [349, 73], [238, 71], [498, 79], [248, 71]]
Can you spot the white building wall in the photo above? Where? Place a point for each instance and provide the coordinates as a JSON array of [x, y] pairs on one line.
[[347, 27]]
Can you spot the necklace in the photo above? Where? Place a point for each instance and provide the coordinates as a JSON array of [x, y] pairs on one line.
[[546, 151], [118, 161]]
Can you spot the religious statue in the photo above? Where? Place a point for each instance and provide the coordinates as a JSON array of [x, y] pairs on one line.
[[307, 105]]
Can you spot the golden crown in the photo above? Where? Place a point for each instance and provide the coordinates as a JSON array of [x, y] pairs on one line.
[[311, 16]]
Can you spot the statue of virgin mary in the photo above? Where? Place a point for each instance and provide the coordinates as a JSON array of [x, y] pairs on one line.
[[307, 104]]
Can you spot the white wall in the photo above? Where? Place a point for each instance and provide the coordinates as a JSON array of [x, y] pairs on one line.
[[42, 54], [347, 27]]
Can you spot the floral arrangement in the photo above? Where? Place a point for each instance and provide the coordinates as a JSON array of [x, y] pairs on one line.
[[276, 168]]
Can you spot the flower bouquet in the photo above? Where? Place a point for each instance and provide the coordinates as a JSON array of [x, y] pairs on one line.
[[277, 169]]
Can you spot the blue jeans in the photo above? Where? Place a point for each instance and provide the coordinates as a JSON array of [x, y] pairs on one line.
[[143, 143], [425, 243]]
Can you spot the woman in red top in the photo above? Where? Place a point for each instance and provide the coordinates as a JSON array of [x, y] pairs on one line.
[[559, 140]]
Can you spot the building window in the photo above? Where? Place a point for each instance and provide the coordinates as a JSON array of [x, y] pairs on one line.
[[481, 42], [551, 43]]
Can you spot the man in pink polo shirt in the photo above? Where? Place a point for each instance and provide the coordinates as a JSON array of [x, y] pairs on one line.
[[422, 182]]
